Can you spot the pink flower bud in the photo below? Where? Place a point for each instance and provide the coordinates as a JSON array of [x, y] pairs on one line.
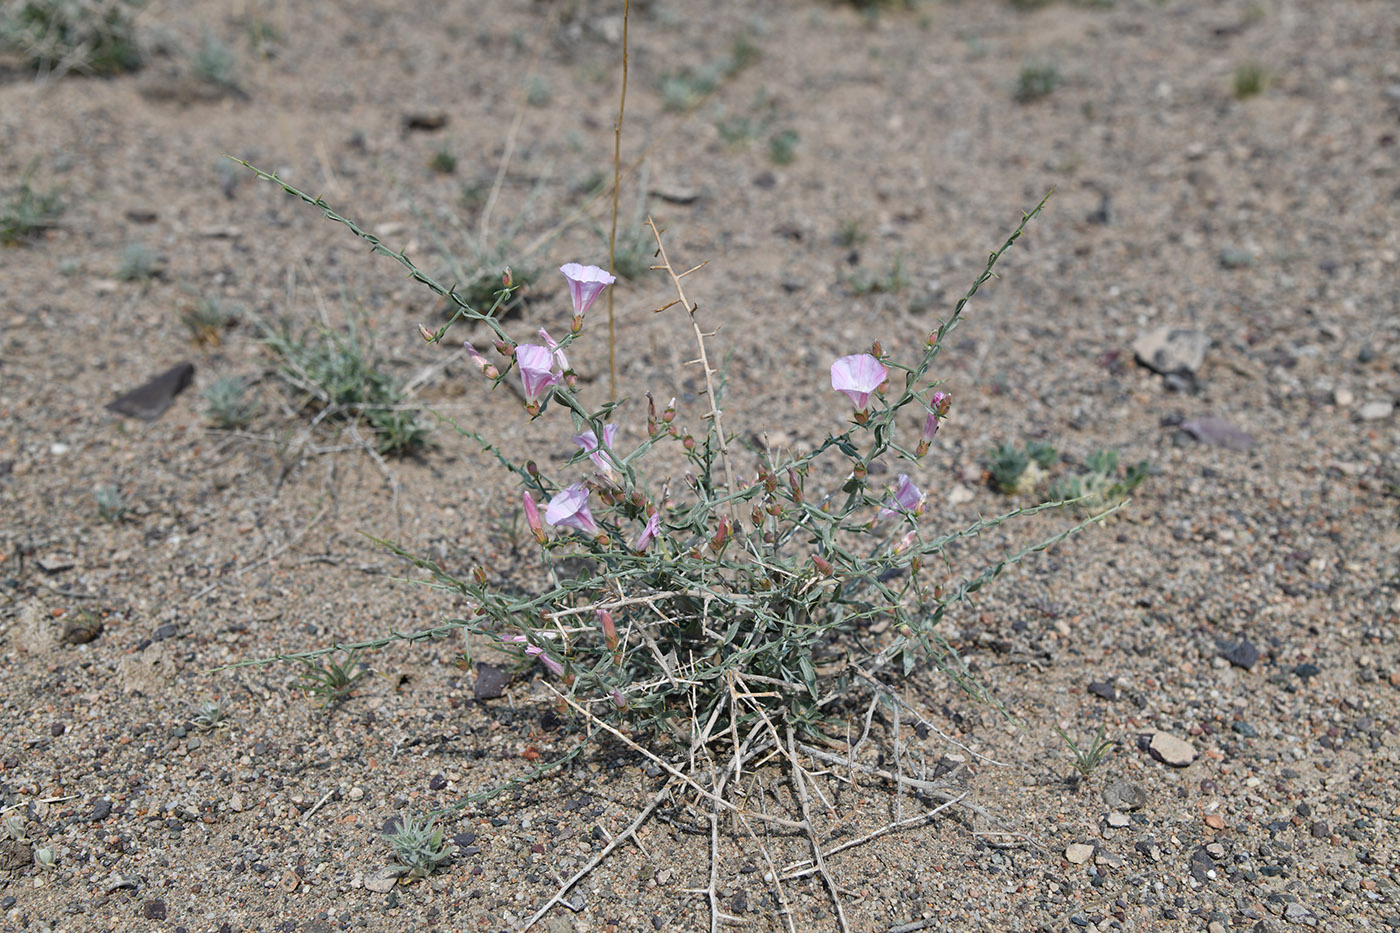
[[425, 333], [605, 619], [554, 666], [618, 699], [822, 564], [532, 518], [722, 535], [506, 279]]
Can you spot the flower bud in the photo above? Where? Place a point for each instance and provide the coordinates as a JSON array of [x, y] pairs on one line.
[[688, 442], [669, 414], [618, 699], [605, 620], [940, 402], [774, 509], [756, 516], [425, 333], [479, 575], [506, 278], [876, 350], [722, 535], [506, 348], [796, 486], [532, 468], [576, 325], [652, 426], [822, 564], [859, 471], [914, 564], [532, 518], [932, 338]]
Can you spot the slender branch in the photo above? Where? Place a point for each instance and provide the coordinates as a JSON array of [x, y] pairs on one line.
[[617, 186]]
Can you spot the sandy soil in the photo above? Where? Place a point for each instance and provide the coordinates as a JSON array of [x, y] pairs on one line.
[[1267, 224]]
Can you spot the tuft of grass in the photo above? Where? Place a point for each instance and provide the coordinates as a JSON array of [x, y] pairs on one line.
[[889, 282], [1087, 759], [206, 320], [1101, 482], [216, 64], [112, 503], [851, 232], [137, 264], [538, 92], [418, 844], [227, 405], [443, 161], [27, 212], [331, 680], [210, 715], [1250, 80], [340, 372], [782, 147], [96, 37], [1036, 82]]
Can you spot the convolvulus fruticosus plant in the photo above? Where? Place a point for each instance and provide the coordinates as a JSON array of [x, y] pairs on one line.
[[715, 595]]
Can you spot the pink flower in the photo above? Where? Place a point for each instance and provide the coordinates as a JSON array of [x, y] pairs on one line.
[[907, 498], [589, 441], [605, 620], [857, 377], [532, 518], [648, 534], [514, 638], [569, 509], [585, 284], [618, 699], [545, 659], [537, 373]]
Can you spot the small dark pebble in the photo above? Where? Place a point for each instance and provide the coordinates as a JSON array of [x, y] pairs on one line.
[[464, 839], [1303, 810], [465, 851], [1079, 920], [392, 902], [1100, 688], [437, 782], [1320, 830], [1245, 729], [1307, 671], [7, 903], [165, 631], [154, 910], [1243, 655], [497, 821], [57, 729]]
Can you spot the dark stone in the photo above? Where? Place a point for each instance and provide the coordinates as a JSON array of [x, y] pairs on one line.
[[154, 910], [101, 809], [165, 631], [464, 839], [1245, 729], [1243, 655], [1321, 830], [150, 400], [437, 782], [1201, 863], [425, 122], [1307, 671], [1124, 795], [1217, 432], [491, 681], [765, 180], [81, 630], [1103, 689], [57, 729]]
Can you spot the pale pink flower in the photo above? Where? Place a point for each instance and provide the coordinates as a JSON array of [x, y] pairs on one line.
[[649, 533], [907, 498], [585, 284], [857, 377], [618, 699], [537, 373], [589, 441], [545, 659], [514, 638], [569, 509]]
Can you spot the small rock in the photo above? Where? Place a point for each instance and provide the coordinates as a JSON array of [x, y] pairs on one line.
[[1243, 655], [1306, 672], [1118, 820], [154, 910], [14, 855], [55, 563], [357, 793], [1297, 913], [437, 782], [1375, 411], [1170, 750], [1218, 433], [424, 121], [1343, 398], [151, 399], [1124, 795], [1245, 729], [81, 630], [236, 803], [491, 682], [383, 880], [1215, 821], [101, 809], [1202, 866], [1175, 350], [1320, 830], [1078, 853], [1103, 689], [1109, 859]]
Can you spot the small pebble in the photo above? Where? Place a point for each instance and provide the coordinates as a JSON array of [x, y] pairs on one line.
[[1171, 750], [1078, 853]]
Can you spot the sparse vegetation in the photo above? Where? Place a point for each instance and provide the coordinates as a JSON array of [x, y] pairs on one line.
[[27, 212], [1250, 80], [1036, 82], [96, 37], [227, 405]]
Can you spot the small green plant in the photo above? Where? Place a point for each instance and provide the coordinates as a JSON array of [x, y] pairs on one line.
[[331, 680], [1250, 80], [538, 92], [1015, 471], [1086, 760], [57, 36], [215, 63], [1035, 82], [210, 715], [137, 264], [851, 232], [443, 161], [737, 130], [1101, 482], [46, 857], [26, 212], [340, 372], [889, 282], [112, 503], [227, 405], [206, 320], [682, 90], [14, 827], [782, 147], [418, 845]]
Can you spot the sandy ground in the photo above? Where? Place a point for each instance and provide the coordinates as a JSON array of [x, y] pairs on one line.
[[1267, 224]]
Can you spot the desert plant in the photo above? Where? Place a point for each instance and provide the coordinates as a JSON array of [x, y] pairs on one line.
[[207, 318], [331, 680], [443, 161], [1100, 482], [1250, 80], [1088, 758], [26, 211], [782, 147], [227, 405], [58, 36], [418, 844], [215, 63], [112, 503], [711, 605], [137, 264], [1035, 82], [210, 715]]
